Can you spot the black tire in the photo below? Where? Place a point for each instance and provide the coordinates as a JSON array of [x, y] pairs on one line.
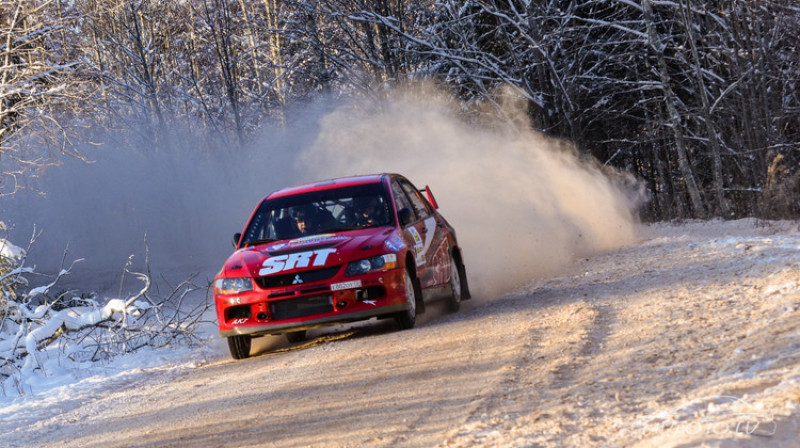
[[239, 346], [456, 283], [406, 319], [296, 336]]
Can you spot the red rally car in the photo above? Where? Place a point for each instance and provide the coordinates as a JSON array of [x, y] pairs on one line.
[[337, 251]]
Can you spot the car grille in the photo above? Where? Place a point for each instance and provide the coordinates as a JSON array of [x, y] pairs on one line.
[[238, 312], [283, 280], [304, 306]]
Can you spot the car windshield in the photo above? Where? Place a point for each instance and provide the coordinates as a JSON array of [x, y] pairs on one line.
[[339, 209]]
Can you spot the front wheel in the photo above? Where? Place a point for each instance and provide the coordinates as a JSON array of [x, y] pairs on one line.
[[239, 346], [406, 319]]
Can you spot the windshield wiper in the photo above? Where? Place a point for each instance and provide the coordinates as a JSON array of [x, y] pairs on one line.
[[257, 242]]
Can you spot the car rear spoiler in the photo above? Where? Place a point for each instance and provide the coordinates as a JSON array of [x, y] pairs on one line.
[[431, 199]]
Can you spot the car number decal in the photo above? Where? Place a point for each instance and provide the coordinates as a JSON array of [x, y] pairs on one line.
[[293, 261], [421, 245], [418, 244]]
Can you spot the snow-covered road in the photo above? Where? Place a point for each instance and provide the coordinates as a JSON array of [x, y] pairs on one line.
[[691, 335]]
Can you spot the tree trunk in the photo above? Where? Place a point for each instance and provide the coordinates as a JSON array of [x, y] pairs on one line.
[[674, 117], [722, 205]]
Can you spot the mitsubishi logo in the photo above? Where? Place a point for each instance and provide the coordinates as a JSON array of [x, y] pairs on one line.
[[297, 280]]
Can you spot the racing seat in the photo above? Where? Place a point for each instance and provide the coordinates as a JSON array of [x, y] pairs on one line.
[[285, 229], [325, 221]]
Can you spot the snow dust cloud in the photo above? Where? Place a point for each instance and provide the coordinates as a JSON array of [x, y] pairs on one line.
[[185, 202], [522, 205]]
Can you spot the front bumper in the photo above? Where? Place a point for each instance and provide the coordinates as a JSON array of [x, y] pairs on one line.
[[307, 306], [310, 324]]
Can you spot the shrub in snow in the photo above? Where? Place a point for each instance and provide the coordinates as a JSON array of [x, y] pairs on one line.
[[11, 257], [70, 331], [779, 198]]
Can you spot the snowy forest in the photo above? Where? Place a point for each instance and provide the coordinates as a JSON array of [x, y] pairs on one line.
[[698, 99]]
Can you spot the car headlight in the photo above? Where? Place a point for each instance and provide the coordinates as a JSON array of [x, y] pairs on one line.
[[379, 263], [232, 285]]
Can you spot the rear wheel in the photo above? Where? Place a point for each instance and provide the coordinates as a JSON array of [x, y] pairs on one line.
[[239, 346], [407, 318], [454, 301], [296, 336]]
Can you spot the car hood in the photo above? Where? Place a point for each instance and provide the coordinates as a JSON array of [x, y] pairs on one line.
[[311, 252]]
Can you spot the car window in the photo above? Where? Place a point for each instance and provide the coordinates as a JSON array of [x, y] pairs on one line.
[[401, 201], [325, 211], [416, 200]]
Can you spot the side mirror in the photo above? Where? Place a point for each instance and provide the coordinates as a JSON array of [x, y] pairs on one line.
[[431, 199], [405, 215], [236, 237]]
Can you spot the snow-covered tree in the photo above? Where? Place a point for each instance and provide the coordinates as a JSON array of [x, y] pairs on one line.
[[39, 90]]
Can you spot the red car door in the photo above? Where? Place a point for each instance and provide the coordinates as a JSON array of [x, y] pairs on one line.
[[425, 234]]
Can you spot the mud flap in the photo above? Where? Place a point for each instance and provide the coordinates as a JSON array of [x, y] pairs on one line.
[[418, 294], [462, 273]]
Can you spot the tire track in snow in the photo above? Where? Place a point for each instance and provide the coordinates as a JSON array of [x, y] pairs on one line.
[[558, 334]]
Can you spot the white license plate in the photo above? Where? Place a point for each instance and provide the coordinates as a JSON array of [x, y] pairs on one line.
[[346, 285]]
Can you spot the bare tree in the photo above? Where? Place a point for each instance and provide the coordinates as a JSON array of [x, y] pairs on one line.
[[687, 172], [219, 20], [129, 44], [37, 90]]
